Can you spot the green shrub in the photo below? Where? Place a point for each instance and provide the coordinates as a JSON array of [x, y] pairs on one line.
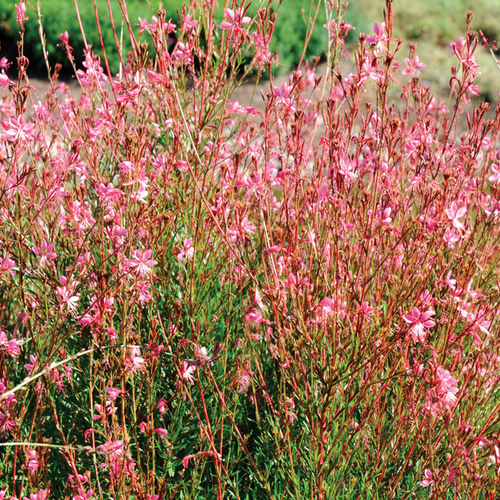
[[58, 16], [288, 40]]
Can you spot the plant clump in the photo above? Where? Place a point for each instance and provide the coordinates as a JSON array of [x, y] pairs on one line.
[[292, 298]]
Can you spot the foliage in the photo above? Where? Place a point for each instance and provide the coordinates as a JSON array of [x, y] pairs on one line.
[[56, 14], [434, 24], [200, 299], [288, 39]]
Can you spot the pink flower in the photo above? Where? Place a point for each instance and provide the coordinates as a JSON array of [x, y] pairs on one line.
[[274, 249], [451, 238], [188, 371], [41, 495], [187, 250], [4, 80], [29, 366], [7, 265], [67, 295], [141, 262], [234, 19], [495, 177], [412, 67], [45, 252], [454, 213], [162, 406], [327, 303], [113, 448], [420, 322], [21, 13], [254, 316], [188, 24], [446, 386], [114, 393], [428, 478], [245, 379], [11, 347], [33, 462], [496, 457], [145, 26], [18, 129], [185, 460], [379, 37], [64, 37], [84, 496]]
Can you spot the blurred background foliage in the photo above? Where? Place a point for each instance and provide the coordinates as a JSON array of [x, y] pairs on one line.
[[433, 24]]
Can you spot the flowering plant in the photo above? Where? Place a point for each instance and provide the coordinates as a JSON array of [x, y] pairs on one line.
[[205, 299]]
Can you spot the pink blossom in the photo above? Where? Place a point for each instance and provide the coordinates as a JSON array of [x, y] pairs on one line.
[[254, 316], [17, 129], [21, 13], [187, 251], [188, 24], [428, 479], [113, 448], [84, 496], [420, 322], [45, 251], [451, 238], [162, 406], [41, 495], [33, 462], [11, 347], [185, 460], [454, 213], [114, 393], [496, 457], [7, 265], [366, 309], [413, 66], [495, 177], [234, 19], [446, 386], [327, 303], [135, 361], [145, 26], [64, 37], [187, 372], [5, 81], [103, 410], [245, 378], [141, 262], [67, 295], [379, 38], [31, 365]]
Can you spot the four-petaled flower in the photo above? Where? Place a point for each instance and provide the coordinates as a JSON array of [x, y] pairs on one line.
[[413, 66], [18, 129], [45, 252], [420, 322], [235, 19], [188, 371], [379, 37], [454, 213], [142, 262]]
